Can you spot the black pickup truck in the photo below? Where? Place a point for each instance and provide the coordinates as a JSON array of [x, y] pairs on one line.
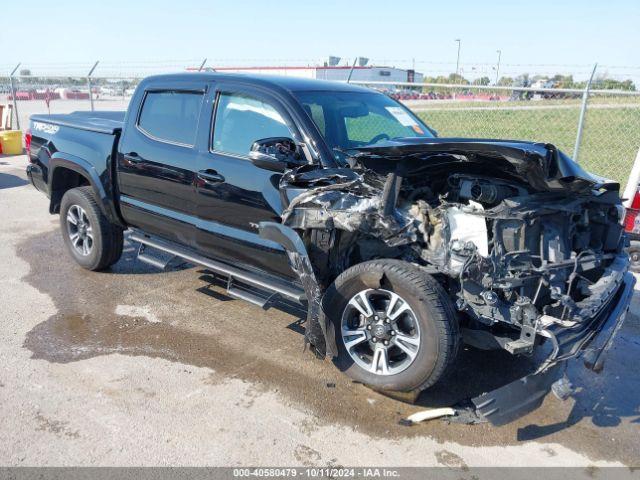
[[401, 244]]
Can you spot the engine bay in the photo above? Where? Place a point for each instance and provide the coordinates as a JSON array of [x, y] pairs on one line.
[[515, 256], [516, 242]]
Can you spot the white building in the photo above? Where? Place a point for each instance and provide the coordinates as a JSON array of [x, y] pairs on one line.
[[336, 73]]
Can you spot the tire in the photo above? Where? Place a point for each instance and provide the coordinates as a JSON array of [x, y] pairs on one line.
[[104, 247], [437, 330]]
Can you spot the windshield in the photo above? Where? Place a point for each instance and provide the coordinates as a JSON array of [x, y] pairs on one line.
[[348, 120]]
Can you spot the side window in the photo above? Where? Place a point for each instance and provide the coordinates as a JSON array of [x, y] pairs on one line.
[[241, 120], [171, 116]]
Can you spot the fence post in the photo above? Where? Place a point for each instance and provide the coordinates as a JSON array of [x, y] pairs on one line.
[[13, 96], [583, 112], [89, 83], [351, 71]]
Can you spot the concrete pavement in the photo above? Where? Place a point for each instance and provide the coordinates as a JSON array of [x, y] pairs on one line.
[[138, 367]]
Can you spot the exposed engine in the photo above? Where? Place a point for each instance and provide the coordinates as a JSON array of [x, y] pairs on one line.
[[520, 236], [518, 255]]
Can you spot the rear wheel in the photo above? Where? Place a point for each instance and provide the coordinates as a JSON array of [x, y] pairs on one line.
[[395, 326], [93, 241]]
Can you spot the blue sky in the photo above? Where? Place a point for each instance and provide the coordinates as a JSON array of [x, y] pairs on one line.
[[570, 33]]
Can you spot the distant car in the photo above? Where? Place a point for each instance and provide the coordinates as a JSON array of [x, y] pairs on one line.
[[109, 91]]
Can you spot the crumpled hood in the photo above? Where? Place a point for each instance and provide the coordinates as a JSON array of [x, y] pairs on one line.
[[540, 165]]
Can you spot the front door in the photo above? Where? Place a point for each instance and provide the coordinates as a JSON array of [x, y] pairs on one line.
[[236, 194], [156, 164]]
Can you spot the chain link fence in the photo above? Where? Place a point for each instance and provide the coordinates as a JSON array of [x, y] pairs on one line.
[[610, 137], [64, 94], [609, 141]]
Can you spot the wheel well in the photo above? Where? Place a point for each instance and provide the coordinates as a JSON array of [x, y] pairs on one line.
[[64, 179], [333, 251]]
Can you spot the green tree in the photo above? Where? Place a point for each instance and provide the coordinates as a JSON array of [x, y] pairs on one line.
[[563, 81], [457, 79], [505, 81], [482, 81], [612, 84]]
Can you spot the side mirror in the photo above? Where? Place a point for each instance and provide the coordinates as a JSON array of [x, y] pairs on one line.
[[276, 154]]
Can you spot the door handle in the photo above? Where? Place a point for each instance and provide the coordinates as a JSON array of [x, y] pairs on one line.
[[132, 157], [210, 176]]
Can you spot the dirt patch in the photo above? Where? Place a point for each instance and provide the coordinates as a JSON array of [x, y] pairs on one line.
[[307, 455], [450, 459], [56, 427]]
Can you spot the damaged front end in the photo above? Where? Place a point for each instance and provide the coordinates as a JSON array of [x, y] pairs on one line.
[[529, 247]]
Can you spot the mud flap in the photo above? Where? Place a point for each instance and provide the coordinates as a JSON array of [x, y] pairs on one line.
[[319, 331]]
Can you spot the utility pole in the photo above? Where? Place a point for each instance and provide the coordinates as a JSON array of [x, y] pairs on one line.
[[499, 52]]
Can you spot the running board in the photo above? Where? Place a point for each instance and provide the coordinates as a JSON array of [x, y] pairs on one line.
[[149, 259], [243, 292], [257, 281]]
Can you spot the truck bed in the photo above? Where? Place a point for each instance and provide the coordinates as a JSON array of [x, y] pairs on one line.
[[108, 122]]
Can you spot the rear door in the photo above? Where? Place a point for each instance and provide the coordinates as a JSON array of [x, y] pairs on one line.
[[234, 194], [157, 161]]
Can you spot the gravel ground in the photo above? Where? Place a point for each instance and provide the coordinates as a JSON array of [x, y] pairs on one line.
[[136, 367]]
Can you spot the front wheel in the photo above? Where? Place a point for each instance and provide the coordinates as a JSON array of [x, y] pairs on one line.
[[395, 326], [93, 241]]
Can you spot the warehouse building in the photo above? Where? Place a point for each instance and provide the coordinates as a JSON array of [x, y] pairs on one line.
[[361, 73]]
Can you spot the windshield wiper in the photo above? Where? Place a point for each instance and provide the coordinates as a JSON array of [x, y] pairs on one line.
[[344, 150]]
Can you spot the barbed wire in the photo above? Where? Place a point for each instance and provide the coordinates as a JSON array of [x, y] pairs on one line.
[[306, 61]]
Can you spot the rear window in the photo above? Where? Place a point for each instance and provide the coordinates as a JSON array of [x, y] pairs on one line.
[[171, 116]]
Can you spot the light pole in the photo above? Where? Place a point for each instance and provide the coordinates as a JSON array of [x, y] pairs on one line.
[[499, 52], [458, 58]]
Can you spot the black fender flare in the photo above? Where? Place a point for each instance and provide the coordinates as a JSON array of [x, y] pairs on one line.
[[319, 331], [88, 171]]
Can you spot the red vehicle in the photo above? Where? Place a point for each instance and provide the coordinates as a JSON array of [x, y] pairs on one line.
[[632, 227]]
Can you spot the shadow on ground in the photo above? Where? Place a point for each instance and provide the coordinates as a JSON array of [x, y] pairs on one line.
[[10, 181]]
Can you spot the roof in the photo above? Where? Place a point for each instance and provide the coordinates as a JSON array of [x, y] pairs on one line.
[[291, 84]]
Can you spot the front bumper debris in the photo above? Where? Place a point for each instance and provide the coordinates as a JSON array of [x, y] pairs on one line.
[[590, 339]]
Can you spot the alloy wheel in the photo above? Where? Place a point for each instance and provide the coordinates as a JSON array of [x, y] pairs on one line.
[[79, 230], [380, 331]]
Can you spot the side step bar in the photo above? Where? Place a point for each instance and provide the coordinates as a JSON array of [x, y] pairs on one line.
[[243, 293], [149, 259], [232, 273]]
